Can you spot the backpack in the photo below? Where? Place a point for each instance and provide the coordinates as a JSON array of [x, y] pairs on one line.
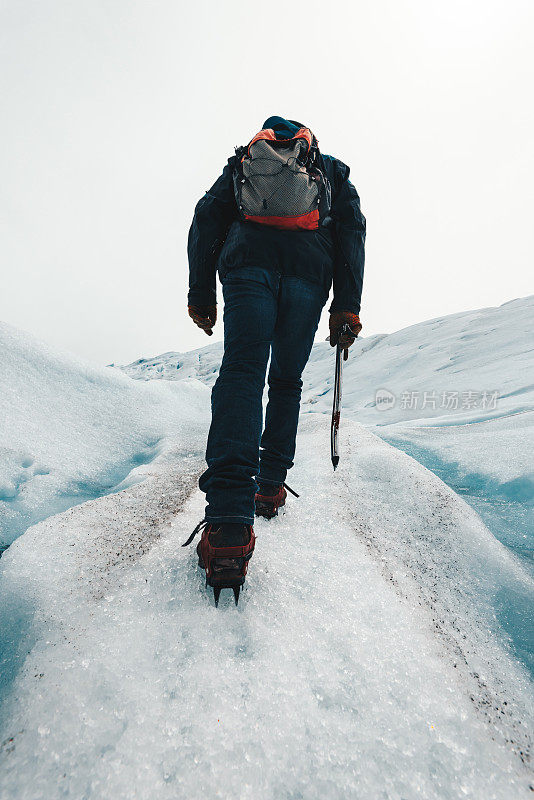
[[282, 182]]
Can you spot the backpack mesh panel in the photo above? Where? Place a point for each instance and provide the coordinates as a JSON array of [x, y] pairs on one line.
[[276, 185]]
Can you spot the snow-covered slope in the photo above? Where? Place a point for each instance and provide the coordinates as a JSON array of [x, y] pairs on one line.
[[463, 393], [70, 432]]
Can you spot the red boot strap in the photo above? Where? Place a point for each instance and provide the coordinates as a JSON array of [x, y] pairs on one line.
[[231, 552]]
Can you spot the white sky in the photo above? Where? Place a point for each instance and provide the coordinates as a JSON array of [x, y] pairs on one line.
[[116, 116]]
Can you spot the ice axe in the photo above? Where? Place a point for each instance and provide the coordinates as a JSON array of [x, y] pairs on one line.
[[336, 409]]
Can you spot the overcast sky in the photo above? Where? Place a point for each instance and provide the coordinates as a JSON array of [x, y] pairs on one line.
[[117, 115]]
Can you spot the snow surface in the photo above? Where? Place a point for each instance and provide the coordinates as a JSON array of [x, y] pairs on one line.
[[370, 655], [361, 661]]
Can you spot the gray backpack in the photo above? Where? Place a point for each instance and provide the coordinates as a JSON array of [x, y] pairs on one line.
[[281, 182]]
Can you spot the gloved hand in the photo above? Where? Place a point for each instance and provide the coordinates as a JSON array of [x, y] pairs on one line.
[[337, 320], [203, 316]]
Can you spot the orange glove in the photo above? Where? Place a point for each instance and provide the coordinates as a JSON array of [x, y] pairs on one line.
[[203, 316], [337, 320]]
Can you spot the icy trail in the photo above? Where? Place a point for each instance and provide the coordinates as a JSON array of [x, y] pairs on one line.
[[360, 663]]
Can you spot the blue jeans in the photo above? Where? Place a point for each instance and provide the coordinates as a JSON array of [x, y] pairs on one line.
[[264, 313]]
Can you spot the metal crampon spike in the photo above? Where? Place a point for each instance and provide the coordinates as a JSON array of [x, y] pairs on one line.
[[236, 589], [216, 595]]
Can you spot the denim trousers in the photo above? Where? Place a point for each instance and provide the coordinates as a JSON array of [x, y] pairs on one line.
[[265, 313]]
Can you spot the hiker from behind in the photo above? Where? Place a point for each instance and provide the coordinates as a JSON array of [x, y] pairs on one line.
[[280, 226]]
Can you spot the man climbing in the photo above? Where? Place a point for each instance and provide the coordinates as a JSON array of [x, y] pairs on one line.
[[280, 225]]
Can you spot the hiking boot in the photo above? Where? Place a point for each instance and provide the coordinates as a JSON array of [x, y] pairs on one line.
[[270, 497], [224, 551]]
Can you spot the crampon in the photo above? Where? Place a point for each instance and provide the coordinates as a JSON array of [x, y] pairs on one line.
[[224, 552], [267, 505]]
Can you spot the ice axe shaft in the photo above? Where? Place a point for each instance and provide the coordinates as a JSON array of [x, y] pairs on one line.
[[336, 408]]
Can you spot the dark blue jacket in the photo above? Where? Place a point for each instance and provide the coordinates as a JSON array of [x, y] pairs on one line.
[[219, 240]]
